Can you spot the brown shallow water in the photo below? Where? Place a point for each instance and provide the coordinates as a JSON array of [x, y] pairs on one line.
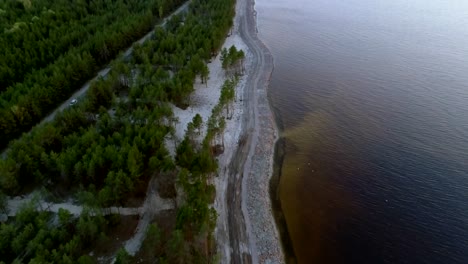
[[372, 96]]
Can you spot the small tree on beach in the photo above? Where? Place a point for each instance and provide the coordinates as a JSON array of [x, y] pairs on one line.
[[204, 74], [3, 203], [227, 96], [233, 61], [197, 122]]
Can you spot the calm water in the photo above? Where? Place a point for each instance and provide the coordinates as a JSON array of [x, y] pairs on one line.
[[373, 97]]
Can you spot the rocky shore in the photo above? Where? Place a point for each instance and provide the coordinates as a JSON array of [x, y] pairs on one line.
[[246, 230], [256, 185]]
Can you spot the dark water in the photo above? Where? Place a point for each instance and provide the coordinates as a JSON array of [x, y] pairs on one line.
[[373, 97]]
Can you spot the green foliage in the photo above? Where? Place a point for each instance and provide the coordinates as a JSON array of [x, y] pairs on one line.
[[85, 259], [33, 238], [123, 257], [233, 60], [3, 202], [185, 154], [107, 146], [197, 121], [153, 244], [65, 47], [228, 94], [177, 249]]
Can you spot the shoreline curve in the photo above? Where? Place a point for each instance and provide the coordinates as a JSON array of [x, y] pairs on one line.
[[246, 230], [257, 207]]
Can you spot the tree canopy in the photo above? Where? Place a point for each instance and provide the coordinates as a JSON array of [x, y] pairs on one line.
[[51, 49], [105, 148]]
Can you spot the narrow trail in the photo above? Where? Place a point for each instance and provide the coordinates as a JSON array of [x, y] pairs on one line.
[[15, 204], [151, 206]]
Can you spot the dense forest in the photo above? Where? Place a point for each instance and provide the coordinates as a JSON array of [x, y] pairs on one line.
[[51, 48], [105, 149]]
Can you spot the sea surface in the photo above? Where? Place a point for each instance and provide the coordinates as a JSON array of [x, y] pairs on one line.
[[372, 97]]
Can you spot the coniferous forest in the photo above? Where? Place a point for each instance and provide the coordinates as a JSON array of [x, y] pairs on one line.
[[50, 48], [105, 150]]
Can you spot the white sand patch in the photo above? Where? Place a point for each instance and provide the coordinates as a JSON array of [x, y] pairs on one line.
[[16, 203], [233, 130], [202, 101], [206, 96]]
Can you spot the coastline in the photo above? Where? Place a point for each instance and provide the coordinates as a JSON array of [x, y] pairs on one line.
[[256, 187], [246, 230]]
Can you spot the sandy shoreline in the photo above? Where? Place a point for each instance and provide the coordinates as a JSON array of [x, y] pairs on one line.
[[246, 231]]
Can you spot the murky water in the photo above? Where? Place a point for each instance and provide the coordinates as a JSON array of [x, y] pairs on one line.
[[373, 97]]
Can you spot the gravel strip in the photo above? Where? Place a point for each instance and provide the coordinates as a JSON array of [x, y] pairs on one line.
[[258, 170]]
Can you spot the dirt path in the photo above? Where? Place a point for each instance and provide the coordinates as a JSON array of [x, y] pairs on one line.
[[16, 203], [152, 205]]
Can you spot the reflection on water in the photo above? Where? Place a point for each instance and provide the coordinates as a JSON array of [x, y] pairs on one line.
[[373, 97]]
